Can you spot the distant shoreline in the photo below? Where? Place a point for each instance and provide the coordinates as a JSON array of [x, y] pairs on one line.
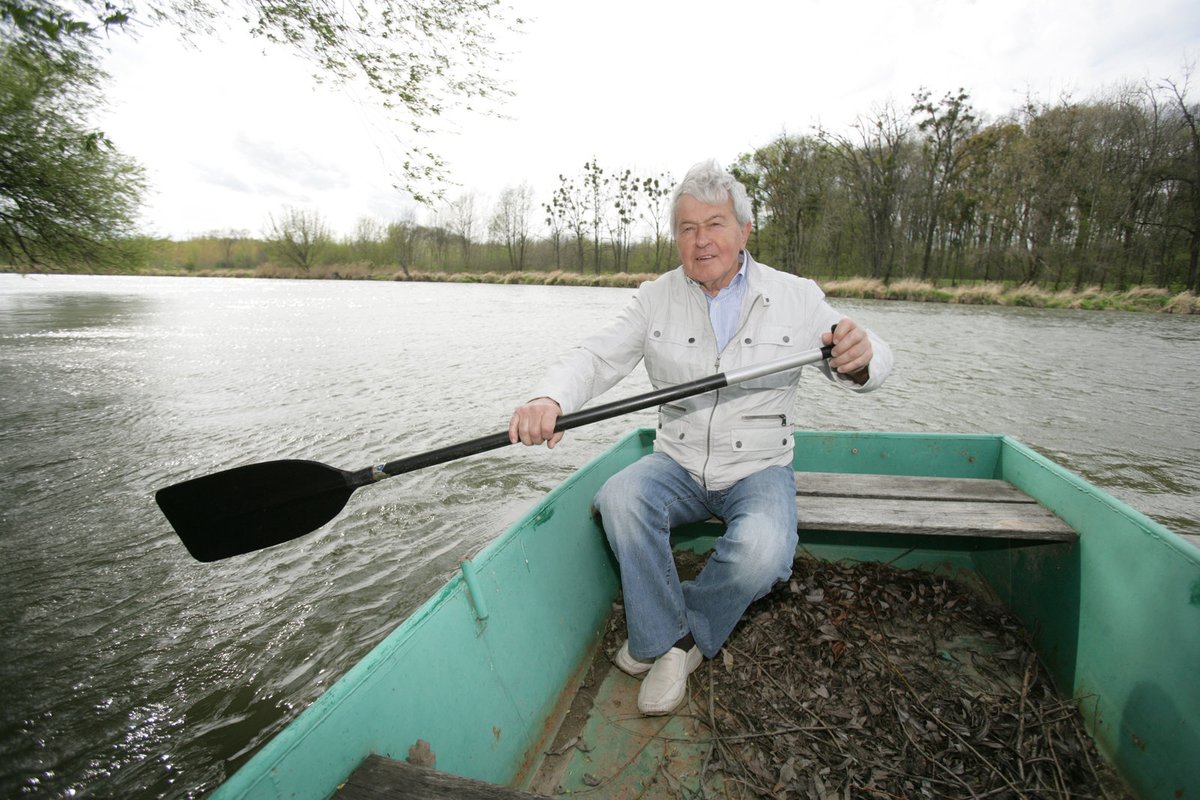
[[1138, 298]]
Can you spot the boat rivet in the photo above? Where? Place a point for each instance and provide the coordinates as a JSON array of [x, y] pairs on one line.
[[854, 451]]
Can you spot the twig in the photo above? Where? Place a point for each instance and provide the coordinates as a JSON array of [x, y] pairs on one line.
[[1059, 779], [927, 756], [1021, 721], [950, 730]]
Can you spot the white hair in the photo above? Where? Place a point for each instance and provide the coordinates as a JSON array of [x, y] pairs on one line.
[[709, 183]]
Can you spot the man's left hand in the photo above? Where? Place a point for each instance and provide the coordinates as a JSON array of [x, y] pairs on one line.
[[851, 350]]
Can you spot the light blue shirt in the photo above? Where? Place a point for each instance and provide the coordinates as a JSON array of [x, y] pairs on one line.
[[725, 310]]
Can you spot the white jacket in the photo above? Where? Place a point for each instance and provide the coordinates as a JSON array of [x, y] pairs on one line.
[[723, 436]]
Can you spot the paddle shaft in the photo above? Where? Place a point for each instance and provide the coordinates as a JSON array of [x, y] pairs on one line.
[[588, 416], [247, 508]]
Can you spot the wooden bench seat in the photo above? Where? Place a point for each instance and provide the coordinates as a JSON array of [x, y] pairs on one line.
[[979, 508], [905, 504]]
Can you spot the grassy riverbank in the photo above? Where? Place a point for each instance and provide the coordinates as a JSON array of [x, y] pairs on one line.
[[1140, 298]]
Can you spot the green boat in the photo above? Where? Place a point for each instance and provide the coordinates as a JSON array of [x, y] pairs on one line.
[[480, 680]]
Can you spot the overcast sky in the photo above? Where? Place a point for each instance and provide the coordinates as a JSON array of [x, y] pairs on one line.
[[231, 131]]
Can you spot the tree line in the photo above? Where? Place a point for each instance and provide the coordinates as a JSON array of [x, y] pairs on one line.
[[1103, 192], [593, 221]]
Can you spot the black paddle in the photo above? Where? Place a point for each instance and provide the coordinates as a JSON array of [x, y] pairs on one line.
[[248, 508]]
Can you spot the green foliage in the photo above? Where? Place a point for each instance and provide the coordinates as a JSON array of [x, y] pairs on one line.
[[1104, 192], [44, 29], [67, 196]]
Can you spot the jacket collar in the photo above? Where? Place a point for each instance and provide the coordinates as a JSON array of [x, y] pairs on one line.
[[754, 280]]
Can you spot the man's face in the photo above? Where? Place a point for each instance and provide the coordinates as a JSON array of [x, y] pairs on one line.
[[709, 240]]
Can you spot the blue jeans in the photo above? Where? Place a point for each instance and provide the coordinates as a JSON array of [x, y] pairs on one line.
[[639, 506]]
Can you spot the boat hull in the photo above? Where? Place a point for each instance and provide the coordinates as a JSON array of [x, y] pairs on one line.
[[484, 670]]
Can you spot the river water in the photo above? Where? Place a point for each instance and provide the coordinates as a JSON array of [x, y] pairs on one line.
[[130, 669]]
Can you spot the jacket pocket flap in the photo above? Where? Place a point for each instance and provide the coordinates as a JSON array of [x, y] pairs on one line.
[[759, 439]]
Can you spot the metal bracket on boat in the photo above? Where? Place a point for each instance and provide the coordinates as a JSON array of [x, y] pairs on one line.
[[477, 601]]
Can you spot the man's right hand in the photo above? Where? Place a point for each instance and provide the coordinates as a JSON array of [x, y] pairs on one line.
[[533, 423]]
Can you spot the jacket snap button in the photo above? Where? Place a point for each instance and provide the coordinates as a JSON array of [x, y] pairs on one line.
[[748, 340], [787, 339], [691, 340], [785, 442], [737, 444], [657, 334], [681, 436]]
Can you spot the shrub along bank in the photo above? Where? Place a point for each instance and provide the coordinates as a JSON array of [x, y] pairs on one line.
[[1138, 298]]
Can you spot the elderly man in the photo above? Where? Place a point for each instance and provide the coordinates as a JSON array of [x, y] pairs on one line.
[[726, 454]]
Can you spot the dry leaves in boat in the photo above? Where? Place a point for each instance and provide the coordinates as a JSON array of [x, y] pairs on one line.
[[861, 680]]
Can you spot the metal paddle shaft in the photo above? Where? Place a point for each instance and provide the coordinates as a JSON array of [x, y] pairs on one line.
[[247, 508]]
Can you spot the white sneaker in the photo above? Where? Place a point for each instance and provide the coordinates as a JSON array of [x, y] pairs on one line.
[[666, 684], [630, 665]]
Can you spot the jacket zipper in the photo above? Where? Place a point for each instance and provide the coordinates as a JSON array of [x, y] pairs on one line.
[[708, 439]]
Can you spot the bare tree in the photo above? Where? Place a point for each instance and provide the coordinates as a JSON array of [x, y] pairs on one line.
[[402, 240], [624, 206], [596, 189], [657, 211], [510, 223], [298, 237], [438, 236], [557, 223], [462, 224], [570, 204]]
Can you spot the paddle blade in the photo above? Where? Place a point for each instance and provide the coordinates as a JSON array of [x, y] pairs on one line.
[[248, 508]]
